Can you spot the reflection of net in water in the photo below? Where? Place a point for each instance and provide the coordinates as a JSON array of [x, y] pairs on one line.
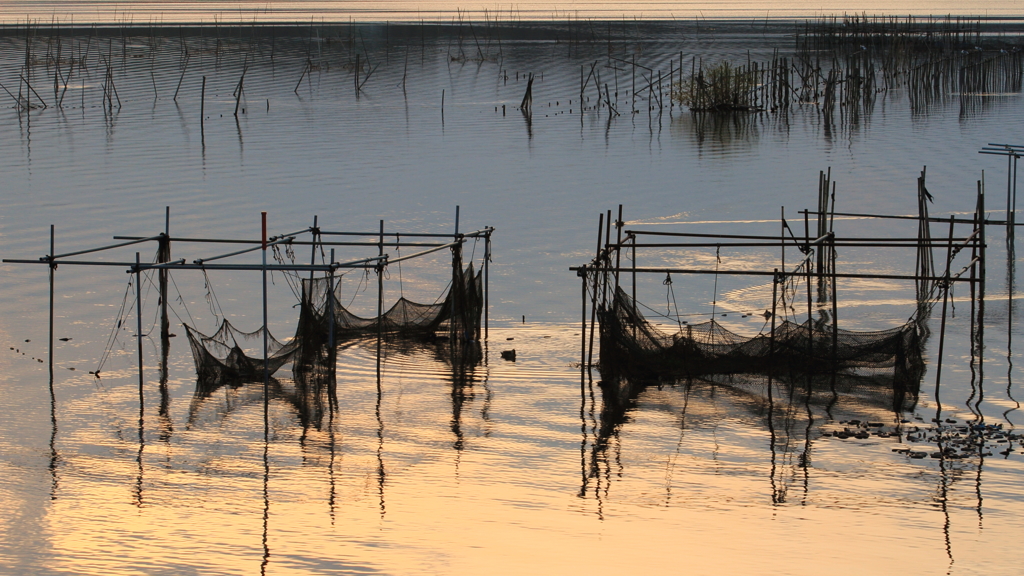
[[630, 343]]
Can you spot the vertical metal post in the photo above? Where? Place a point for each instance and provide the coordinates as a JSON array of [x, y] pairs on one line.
[[312, 256], [782, 238], [380, 288], [593, 299], [942, 325], [1009, 195], [138, 316], [835, 305], [607, 259], [810, 310], [455, 325], [330, 306], [164, 256], [583, 324], [618, 248], [487, 283], [53, 268], [771, 338], [266, 328], [634, 276], [1011, 217]]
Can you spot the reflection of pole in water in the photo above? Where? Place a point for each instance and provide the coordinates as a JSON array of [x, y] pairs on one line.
[[266, 485], [142, 399], [381, 475], [332, 498], [584, 480], [1011, 272], [944, 500], [54, 456], [266, 407], [670, 468]]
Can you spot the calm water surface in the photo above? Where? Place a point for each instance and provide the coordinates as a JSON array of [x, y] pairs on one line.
[[163, 11], [500, 467]]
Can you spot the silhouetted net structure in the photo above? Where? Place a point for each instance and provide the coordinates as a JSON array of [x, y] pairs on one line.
[[231, 355], [456, 316], [630, 343]]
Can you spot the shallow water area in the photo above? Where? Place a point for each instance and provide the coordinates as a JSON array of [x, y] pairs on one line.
[[427, 465]]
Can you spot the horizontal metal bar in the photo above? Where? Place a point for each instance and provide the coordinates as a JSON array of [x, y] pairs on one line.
[[247, 250], [929, 219], [759, 273], [304, 242], [476, 233], [363, 261], [173, 266], [839, 243], [697, 235], [396, 260], [102, 248]]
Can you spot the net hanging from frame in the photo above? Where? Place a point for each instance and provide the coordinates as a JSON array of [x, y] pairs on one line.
[[629, 341]]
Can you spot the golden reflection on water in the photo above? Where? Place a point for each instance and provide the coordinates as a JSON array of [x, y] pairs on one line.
[[691, 478]]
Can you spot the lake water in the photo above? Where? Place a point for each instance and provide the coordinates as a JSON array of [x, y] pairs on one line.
[[501, 467], [163, 11]]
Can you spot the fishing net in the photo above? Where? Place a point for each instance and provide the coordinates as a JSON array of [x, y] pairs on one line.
[[629, 342], [457, 315], [231, 355]]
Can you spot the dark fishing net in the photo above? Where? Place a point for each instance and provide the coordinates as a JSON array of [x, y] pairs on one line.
[[231, 355], [456, 316], [630, 343]]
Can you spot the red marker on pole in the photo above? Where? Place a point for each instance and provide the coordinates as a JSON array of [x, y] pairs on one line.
[[264, 216]]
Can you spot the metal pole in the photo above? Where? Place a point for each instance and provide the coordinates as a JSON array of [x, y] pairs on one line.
[[138, 318], [618, 248], [593, 299], [380, 290], [312, 256], [771, 339], [835, 311], [810, 310], [52, 269], [266, 329], [487, 283], [330, 306], [942, 326], [164, 256], [1009, 193], [583, 326], [607, 259]]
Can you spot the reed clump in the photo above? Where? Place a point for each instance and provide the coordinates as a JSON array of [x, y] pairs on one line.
[[719, 88]]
